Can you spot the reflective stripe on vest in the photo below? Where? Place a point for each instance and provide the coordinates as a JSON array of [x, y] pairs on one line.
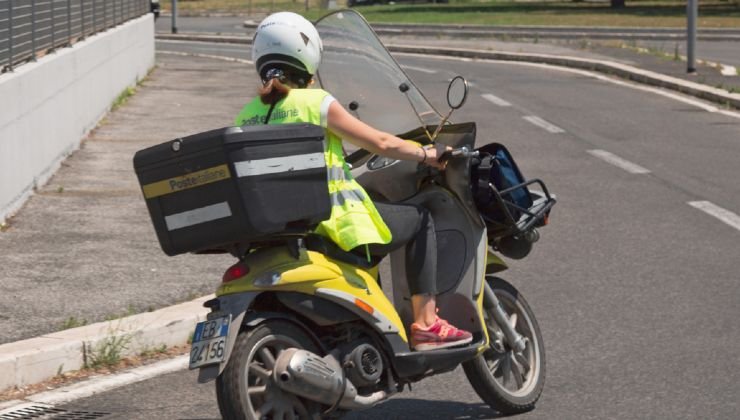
[[337, 174], [342, 196]]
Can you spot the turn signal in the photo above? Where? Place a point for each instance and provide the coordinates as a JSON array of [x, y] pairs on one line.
[[235, 271], [364, 306]]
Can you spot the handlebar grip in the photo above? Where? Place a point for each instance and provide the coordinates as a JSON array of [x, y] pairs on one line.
[[462, 152]]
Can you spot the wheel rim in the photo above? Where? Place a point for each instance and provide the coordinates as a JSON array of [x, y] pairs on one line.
[[516, 373], [266, 399]]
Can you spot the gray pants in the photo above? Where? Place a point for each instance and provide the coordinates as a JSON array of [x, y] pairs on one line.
[[413, 227]]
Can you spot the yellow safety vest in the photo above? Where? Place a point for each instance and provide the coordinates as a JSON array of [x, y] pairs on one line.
[[354, 220]]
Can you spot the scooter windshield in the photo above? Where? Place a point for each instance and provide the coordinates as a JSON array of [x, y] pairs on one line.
[[362, 75]]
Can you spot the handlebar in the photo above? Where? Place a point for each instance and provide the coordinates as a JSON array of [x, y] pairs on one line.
[[462, 152]]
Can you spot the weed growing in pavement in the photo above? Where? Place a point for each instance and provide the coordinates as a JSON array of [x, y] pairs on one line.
[[123, 97], [108, 352], [126, 94], [73, 322], [60, 189], [149, 352], [130, 310]]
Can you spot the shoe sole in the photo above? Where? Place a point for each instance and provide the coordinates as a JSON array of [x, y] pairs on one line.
[[436, 346]]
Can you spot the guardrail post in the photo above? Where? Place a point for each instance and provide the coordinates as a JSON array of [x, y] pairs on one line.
[[692, 10], [174, 16], [10, 38], [33, 30]]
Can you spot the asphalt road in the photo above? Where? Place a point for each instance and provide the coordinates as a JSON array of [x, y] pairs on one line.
[[725, 52], [222, 25], [635, 289]]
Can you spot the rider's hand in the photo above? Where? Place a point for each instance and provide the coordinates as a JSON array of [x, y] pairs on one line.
[[433, 155]]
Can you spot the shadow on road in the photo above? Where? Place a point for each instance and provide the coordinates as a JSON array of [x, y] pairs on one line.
[[408, 409]]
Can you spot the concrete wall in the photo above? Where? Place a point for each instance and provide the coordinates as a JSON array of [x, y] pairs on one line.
[[48, 107]]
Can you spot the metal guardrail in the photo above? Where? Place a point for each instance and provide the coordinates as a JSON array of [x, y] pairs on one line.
[[31, 28]]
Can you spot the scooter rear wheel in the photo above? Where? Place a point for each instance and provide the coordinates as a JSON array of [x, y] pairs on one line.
[[510, 382], [245, 390]]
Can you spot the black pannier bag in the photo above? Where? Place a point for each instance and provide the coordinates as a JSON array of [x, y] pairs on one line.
[[498, 168], [234, 185]]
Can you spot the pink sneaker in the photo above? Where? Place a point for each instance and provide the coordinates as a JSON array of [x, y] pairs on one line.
[[439, 335]]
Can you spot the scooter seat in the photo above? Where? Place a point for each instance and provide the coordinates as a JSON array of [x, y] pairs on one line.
[[327, 247]]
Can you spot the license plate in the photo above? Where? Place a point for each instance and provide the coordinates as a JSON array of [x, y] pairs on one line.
[[209, 342]]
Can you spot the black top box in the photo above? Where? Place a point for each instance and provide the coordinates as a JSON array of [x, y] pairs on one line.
[[234, 185]]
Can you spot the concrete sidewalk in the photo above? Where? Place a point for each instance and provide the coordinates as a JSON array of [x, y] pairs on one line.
[[82, 250]]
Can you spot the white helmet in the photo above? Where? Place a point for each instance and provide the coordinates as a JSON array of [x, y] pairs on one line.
[[286, 38]]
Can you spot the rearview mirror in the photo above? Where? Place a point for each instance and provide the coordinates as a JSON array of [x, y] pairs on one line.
[[457, 92]]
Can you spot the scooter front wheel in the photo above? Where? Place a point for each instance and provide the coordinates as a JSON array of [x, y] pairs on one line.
[[245, 389], [510, 382]]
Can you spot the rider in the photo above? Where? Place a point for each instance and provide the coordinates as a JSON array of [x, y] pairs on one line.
[[287, 51]]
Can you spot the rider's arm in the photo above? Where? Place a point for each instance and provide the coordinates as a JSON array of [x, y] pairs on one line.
[[362, 135]]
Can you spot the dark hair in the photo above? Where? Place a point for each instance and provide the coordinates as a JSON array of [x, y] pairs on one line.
[[277, 82], [273, 91]]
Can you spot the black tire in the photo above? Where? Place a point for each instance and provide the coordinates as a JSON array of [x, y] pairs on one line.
[[506, 393], [250, 349]]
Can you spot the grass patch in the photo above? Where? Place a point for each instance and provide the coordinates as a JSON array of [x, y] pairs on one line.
[[242, 6], [637, 13], [73, 322], [108, 352], [149, 352], [712, 13], [130, 310], [123, 97]]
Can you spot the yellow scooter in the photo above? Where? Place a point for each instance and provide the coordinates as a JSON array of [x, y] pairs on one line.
[[301, 329]]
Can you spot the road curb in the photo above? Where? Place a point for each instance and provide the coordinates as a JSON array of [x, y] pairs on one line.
[[41, 358], [546, 32], [205, 38], [602, 66], [623, 71]]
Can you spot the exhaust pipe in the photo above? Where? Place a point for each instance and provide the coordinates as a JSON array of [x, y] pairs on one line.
[[310, 376]]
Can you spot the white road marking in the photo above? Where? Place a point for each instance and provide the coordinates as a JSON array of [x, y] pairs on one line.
[[421, 69], [495, 99], [539, 122], [675, 96], [728, 70], [714, 210], [618, 162], [100, 384], [215, 57]]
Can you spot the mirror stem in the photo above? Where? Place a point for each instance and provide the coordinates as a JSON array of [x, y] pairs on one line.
[[439, 127], [403, 87]]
